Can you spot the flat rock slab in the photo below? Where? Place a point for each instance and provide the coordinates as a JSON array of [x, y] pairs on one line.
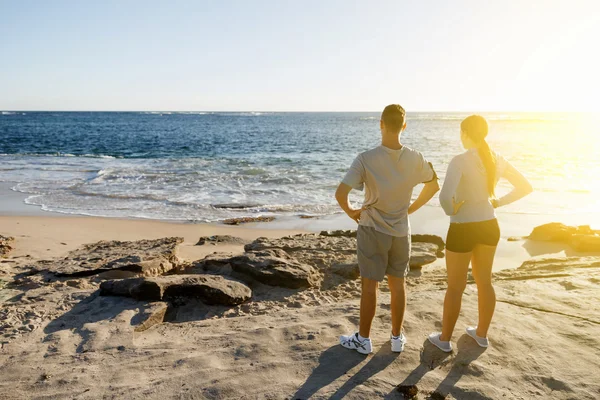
[[275, 269], [291, 244], [221, 239], [548, 267], [422, 254], [141, 257], [211, 289], [324, 251], [5, 245], [339, 233], [272, 267], [245, 220]]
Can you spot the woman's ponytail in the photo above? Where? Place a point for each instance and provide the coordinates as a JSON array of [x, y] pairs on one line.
[[476, 128], [489, 162]]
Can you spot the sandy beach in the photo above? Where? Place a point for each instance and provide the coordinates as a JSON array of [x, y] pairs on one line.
[[61, 339]]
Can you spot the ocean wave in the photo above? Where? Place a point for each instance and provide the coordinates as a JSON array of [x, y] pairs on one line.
[[64, 155]]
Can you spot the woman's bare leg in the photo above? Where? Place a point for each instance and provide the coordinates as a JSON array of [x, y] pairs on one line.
[[457, 266], [482, 262]]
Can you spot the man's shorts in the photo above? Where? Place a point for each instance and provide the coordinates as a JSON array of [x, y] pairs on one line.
[[380, 254], [462, 238]]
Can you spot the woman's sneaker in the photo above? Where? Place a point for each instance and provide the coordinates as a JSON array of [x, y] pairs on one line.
[[353, 342], [434, 338], [398, 343], [481, 341]]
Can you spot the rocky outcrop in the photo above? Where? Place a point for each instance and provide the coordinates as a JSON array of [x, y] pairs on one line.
[[557, 232], [348, 271], [586, 243], [433, 239], [422, 254], [339, 233], [220, 239], [245, 220], [304, 242], [211, 289], [546, 267], [272, 267], [140, 258], [5, 245], [582, 238], [333, 248]]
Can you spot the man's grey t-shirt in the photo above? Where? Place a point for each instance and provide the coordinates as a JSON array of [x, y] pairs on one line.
[[389, 177]]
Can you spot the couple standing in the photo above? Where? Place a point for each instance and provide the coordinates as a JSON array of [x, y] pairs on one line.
[[390, 172]]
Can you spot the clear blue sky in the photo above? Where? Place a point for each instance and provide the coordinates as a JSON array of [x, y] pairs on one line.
[[322, 55]]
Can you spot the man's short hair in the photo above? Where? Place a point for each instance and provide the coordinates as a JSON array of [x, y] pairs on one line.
[[393, 116]]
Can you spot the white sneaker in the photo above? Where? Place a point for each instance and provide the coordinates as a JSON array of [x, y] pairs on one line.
[[481, 341], [398, 343], [434, 338], [352, 342]]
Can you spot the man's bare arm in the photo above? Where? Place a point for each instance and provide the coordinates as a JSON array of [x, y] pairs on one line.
[[341, 195], [428, 191]]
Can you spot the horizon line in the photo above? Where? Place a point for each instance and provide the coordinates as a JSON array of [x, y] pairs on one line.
[[296, 111]]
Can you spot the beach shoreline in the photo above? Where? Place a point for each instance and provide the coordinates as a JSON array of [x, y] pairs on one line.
[[40, 233]]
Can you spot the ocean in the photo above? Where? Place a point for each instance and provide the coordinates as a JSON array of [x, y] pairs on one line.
[[208, 166]]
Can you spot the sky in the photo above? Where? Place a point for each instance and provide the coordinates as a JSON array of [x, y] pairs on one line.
[[463, 55]]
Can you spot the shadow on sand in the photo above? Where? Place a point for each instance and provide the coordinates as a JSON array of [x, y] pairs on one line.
[[93, 309], [336, 362], [432, 358]]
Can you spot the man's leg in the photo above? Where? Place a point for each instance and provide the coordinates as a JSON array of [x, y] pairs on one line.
[[368, 305], [398, 302]]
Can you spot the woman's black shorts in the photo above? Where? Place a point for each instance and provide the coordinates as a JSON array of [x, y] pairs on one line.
[[462, 238]]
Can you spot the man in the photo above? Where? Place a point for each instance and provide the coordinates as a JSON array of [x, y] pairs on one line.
[[389, 172]]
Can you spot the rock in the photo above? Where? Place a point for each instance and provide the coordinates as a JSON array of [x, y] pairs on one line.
[[581, 238], [224, 239], [331, 250], [348, 271], [305, 242], [245, 220], [557, 232], [536, 268], [211, 289], [422, 254], [553, 232], [6, 245], [235, 206], [275, 268], [516, 238], [141, 258], [408, 391], [434, 239], [586, 243], [339, 233], [149, 316]]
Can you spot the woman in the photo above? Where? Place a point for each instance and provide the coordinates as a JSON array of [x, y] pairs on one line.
[[468, 197]]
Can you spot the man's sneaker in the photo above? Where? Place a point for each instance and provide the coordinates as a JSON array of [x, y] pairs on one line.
[[352, 342], [398, 343]]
